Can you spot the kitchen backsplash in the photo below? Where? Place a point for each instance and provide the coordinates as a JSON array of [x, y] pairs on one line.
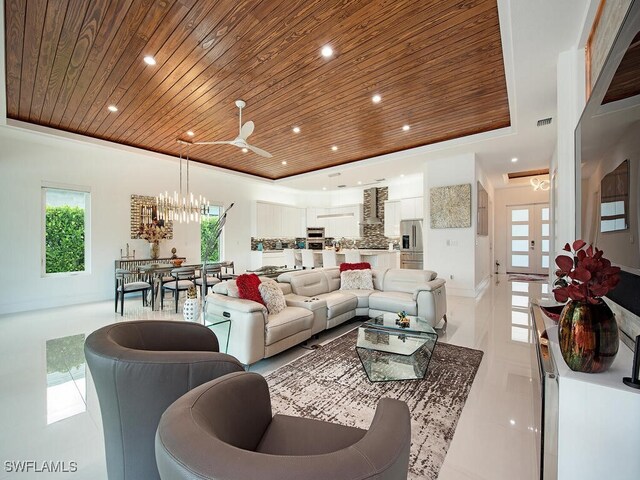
[[373, 235]]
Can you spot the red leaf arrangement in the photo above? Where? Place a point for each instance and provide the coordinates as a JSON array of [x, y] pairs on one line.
[[585, 276]]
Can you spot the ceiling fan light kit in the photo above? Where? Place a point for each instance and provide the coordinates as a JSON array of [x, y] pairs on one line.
[[244, 131]]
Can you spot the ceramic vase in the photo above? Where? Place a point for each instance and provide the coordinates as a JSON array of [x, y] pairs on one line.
[[588, 336], [154, 250], [191, 310]]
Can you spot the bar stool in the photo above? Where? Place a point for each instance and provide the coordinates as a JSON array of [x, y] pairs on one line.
[[352, 256], [290, 258], [308, 259], [329, 258]]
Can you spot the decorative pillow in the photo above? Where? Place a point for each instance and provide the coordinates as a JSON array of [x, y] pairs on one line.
[[356, 280], [355, 266], [248, 287], [273, 297]]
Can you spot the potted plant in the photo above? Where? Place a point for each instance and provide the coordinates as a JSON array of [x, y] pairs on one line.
[[587, 329]]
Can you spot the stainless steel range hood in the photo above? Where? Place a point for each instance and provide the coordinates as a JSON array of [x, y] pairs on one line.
[[372, 203]]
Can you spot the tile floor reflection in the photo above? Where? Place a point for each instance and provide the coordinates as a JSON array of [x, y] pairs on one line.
[[49, 409]]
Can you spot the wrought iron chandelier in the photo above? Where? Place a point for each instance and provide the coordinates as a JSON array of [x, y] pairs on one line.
[[178, 207]]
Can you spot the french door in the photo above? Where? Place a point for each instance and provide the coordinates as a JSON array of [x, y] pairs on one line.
[[528, 239]]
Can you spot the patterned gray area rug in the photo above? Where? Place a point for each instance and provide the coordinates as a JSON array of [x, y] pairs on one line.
[[330, 384]]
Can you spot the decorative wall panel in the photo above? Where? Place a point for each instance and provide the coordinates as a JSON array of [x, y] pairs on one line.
[[451, 206]]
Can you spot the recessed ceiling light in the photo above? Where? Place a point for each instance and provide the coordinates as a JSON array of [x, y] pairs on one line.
[[324, 188], [334, 148], [514, 160], [149, 60], [245, 150], [376, 98], [296, 129], [359, 182], [112, 108], [401, 175], [406, 127], [190, 133], [326, 51], [284, 162]]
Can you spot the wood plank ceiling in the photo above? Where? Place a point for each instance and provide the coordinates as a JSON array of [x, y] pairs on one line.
[[437, 65]]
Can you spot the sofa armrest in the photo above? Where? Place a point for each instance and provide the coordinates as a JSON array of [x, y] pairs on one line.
[[248, 321], [428, 287], [310, 303]]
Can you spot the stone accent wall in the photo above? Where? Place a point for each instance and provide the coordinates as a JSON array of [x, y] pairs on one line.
[[373, 235], [270, 243]]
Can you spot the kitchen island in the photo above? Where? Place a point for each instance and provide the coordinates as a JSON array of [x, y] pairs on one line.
[[381, 258]]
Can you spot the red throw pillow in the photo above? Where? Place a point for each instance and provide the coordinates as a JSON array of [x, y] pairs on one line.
[[354, 266], [248, 287]]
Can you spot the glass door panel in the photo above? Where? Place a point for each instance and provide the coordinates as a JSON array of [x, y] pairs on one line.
[[528, 238]]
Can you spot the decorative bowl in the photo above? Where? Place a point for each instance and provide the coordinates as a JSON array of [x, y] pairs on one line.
[[177, 262]]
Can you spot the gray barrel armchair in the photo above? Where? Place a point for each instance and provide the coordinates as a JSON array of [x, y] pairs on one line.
[[139, 368], [224, 429]]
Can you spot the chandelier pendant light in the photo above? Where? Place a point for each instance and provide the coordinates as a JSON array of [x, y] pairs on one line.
[[179, 207]]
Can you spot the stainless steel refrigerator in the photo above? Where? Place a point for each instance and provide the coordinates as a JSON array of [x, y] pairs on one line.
[[411, 255]]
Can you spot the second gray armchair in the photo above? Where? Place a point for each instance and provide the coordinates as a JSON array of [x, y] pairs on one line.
[[224, 429]]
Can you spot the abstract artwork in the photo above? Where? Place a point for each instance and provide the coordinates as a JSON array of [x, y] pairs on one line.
[[451, 206]]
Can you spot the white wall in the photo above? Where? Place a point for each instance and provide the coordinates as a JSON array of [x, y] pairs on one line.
[[506, 197], [453, 252], [484, 244], [28, 159]]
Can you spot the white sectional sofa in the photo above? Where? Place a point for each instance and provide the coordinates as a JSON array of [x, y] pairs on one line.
[[316, 303]]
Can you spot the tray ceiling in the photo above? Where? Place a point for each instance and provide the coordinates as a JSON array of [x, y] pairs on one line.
[[437, 65]]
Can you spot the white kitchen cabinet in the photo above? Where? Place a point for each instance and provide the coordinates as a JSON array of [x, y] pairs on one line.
[[411, 208], [340, 222], [392, 218], [279, 221]]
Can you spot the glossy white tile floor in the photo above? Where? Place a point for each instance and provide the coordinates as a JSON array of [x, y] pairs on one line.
[[48, 412]]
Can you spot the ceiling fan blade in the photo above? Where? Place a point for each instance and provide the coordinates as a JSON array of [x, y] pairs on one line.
[[259, 151], [247, 129], [212, 143]]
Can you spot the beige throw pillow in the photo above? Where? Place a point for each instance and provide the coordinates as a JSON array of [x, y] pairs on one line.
[[356, 280], [272, 296]]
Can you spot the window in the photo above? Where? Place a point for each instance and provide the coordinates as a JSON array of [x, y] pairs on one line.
[[210, 248], [66, 230]]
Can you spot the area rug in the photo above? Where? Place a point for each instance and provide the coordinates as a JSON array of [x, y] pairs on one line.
[[330, 384], [527, 277]]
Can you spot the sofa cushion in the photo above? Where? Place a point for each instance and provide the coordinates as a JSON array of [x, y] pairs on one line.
[[288, 322], [338, 303], [310, 284], [393, 302], [355, 266], [272, 296], [228, 288], [356, 280], [333, 278], [248, 287], [403, 280], [361, 295]]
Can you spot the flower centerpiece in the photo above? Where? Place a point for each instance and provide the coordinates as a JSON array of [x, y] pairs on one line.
[[587, 329], [153, 233]]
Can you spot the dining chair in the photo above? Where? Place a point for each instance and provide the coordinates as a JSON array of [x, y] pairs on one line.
[[308, 258], [290, 258], [183, 278], [329, 258], [209, 276], [228, 266], [126, 282], [352, 256]]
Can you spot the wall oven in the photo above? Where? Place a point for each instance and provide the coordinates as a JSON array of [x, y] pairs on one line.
[[315, 232], [315, 243]]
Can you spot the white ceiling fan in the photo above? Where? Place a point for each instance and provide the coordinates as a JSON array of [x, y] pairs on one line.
[[241, 140]]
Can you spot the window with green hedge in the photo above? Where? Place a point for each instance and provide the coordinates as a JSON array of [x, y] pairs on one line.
[[209, 248], [65, 230]]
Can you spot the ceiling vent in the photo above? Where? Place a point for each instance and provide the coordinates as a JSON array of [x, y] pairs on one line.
[[337, 174], [372, 203], [544, 121], [342, 186]]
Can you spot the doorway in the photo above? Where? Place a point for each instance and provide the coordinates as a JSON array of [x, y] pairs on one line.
[[528, 239]]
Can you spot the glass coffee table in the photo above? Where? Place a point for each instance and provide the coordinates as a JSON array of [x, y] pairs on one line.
[[389, 352]]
